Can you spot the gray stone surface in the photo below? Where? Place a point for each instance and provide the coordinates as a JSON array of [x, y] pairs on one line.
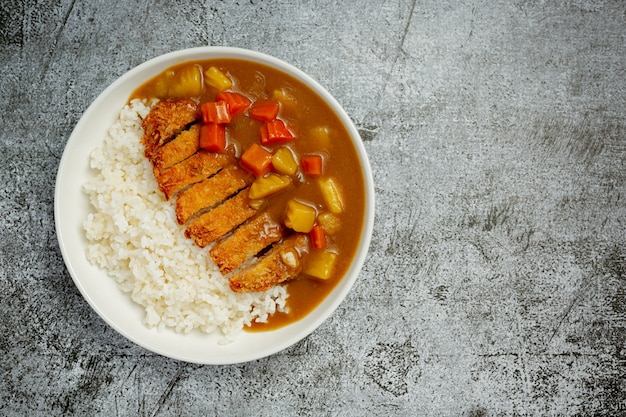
[[496, 280]]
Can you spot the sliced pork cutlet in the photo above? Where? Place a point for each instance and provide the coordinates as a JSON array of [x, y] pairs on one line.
[[246, 241], [282, 263], [194, 169], [178, 149], [207, 193], [165, 120], [221, 219]]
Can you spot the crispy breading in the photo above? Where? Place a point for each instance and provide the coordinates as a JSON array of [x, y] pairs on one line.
[[178, 149], [280, 264], [221, 219], [194, 169], [165, 120], [209, 192], [246, 241], [212, 198]]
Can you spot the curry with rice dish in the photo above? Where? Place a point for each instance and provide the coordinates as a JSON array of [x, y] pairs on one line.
[[263, 173]]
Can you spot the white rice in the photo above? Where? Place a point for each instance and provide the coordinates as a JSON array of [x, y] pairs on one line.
[[134, 235]]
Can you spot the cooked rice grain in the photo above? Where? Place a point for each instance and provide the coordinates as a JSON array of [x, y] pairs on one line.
[[133, 234]]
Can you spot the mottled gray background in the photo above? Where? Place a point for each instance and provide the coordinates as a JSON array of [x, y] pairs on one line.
[[496, 280]]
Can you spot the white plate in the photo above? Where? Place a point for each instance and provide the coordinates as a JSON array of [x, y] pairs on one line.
[[71, 207]]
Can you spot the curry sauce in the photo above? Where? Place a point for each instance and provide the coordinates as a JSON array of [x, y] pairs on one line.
[[315, 131]]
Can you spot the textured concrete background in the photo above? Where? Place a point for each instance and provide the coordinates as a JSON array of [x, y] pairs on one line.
[[496, 281]]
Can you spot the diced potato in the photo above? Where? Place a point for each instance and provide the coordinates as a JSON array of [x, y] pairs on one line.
[[285, 97], [299, 216], [320, 264], [333, 196], [187, 82], [256, 204], [320, 136], [217, 79], [160, 87], [284, 162], [330, 222], [268, 185]]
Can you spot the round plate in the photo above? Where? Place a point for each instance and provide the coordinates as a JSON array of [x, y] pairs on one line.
[[71, 207]]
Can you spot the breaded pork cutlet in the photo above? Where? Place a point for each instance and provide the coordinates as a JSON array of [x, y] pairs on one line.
[[194, 169], [165, 120], [283, 262], [212, 200], [178, 149], [207, 193], [221, 219], [246, 241]]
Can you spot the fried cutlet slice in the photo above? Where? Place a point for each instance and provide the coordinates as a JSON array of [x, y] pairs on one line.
[[194, 169], [178, 149], [246, 241], [209, 192], [283, 262], [165, 120], [221, 219]]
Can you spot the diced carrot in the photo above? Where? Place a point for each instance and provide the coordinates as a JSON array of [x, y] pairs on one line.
[[264, 110], [212, 137], [311, 164], [257, 159], [274, 132], [263, 135], [215, 112], [318, 237], [236, 102]]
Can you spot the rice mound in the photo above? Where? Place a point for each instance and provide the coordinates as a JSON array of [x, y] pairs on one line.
[[133, 234]]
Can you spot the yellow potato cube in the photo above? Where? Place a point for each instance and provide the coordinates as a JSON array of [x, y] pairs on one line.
[[330, 222], [320, 136], [284, 162], [187, 82], [268, 185], [217, 79], [299, 216], [285, 97], [320, 264], [333, 196], [256, 204]]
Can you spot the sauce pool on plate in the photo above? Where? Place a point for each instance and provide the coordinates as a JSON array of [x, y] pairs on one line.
[[287, 166]]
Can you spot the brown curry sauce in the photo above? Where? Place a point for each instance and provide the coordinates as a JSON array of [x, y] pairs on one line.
[[304, 112]]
